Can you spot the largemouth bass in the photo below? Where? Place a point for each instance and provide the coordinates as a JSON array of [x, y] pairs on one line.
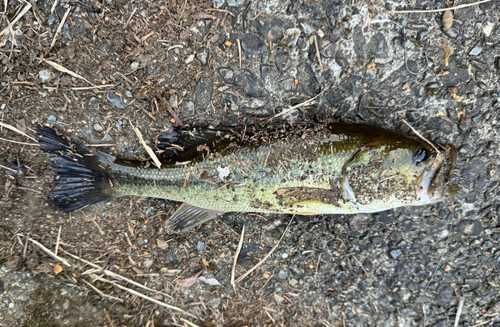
[[325, 169]]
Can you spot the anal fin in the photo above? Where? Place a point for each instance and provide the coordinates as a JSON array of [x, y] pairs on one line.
[[187, 217]]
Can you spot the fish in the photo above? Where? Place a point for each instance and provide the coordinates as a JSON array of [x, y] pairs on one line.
[[302, 170]]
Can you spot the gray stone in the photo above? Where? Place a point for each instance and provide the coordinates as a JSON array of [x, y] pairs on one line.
[[150, 69], [451, 32], [476, 51], [253, 45], [52, 119], [200, 246], [308, 83], [98, 127], [227, 74], [252, 85], [203, 90], [396, 253], [283, 61], [129, 94], [202, 55], [187, 109], [474, 166], [134, 65], [116, 100], [282, 274], [218, 3]]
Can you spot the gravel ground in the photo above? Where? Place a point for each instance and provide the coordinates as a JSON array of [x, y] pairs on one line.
[[237, 63]]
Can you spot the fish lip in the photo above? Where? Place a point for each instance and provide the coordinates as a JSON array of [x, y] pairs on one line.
[[435, 182]]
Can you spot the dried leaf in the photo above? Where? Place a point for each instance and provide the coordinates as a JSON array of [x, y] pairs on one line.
[[209, 281], [447, 19], [188, 281], [448, 51], [58, 268]]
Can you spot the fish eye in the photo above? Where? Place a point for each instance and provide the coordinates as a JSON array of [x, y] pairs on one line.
[[420, 155]]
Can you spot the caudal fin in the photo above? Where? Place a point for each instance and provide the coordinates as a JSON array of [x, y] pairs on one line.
[[81, 176]]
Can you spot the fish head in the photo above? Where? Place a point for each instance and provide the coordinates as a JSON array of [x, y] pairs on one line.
[[406, 172]]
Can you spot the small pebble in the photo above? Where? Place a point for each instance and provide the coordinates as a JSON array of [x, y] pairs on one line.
[[45, 75], [282, 274], [396, 254], [129, 94], [134, 65], [52, 119], [476, 51], [98, 127], [200, 246]]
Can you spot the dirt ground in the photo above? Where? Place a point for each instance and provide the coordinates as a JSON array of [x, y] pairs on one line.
[[94, 70]]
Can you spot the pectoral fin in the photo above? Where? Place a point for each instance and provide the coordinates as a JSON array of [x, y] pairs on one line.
[[187, 217]]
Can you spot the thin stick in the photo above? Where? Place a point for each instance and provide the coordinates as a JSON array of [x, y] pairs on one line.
[[266, 256], [147, 147], [319, 259], [220, 10], [92, 87], [459, 310], [303, 104], [239, 50], [115, 275], [130, 18], [437, 10], [10, 169], [50, 253], [317, 52], [101, 294], [131, 291], [420, 135], [57, 241], [59, 28], [12, 128], [12, 23], [17, 142], [240, 244], [56, 2]]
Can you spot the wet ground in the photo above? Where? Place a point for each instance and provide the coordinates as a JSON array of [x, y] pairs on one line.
[[95, 69]]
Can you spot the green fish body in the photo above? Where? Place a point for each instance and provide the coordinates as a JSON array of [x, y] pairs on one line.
[[326, 169]]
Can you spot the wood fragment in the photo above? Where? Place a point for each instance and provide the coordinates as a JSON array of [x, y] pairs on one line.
[[317, 52], [50, 253], [101, 294]]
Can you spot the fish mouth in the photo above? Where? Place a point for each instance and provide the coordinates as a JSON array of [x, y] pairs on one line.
[[435, 182]]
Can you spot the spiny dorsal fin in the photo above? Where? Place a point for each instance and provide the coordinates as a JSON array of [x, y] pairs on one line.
[[187, 217]]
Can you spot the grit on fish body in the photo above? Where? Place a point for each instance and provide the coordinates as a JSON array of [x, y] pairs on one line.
[[327, 169]]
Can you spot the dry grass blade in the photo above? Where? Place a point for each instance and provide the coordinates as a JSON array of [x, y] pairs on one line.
[[317, 52], [145, 297], [239, 50], [267, 255], [92, 87], [58, 239], [17, 142], [303, 104], [115, 275], [420, 135], [50, 253], [59, 28], [437, 10], [67, 71], [12, 128], [101, 294], [240, 244], [147, 147], [12, 23]]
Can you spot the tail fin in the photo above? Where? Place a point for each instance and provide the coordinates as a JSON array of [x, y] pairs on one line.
[[82, 178]]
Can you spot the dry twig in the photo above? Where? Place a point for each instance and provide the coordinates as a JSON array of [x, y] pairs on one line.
[[12, 23], [317, 52], [65, 70], [420, 135], [437, 10], [147, 147], [239, 50], [266, 256], [50, 253], [59, 28], [12, 128]]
